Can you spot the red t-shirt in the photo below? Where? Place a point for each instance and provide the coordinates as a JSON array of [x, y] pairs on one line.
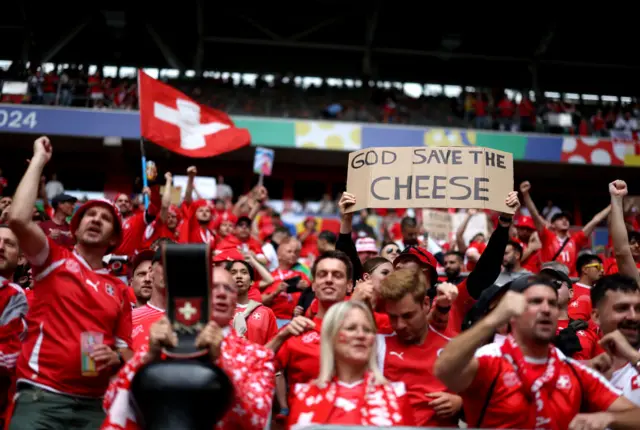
[[299, 356], [72, 298], [510, 408], [463, 304], [588, 338], [158, 230], [142, 319], [580, 305], [413, 365], [65, 238], [532, 263], [231, 242], [261, 324], [284, 303], [551, 244], [133, 228]]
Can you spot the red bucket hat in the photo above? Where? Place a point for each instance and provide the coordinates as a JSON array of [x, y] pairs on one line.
[[117, 221], [525, 222]]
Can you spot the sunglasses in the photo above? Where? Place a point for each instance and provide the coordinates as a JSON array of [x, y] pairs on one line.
[[594, 265]]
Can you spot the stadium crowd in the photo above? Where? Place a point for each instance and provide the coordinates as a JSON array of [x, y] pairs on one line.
[[285, 96], [356, 326]]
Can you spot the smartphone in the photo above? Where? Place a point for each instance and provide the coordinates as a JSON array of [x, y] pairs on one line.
[[292, 284]]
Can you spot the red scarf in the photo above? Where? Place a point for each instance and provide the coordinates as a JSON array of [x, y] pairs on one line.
[[537, 390], [379, 407]]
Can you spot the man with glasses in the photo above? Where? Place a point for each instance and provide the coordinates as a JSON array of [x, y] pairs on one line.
[[590, 270]]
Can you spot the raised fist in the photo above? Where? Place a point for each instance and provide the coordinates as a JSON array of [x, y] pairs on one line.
[[618, 188], [346, 201], [525, 187], [512, 305], [192, 171], [42, 149], [168, 177]]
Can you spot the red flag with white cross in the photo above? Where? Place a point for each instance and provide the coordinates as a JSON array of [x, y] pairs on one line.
[[174, 121]]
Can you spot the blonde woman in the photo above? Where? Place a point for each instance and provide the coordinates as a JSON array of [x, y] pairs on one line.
[[350, 389]]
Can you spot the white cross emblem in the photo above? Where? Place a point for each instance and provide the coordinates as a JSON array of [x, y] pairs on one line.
[[187, 311], [187, 118]]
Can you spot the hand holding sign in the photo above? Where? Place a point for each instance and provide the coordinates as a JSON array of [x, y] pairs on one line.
[[513, 203], [449, 177]]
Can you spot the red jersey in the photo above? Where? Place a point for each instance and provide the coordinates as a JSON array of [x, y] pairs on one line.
[[463, 304], [158, 230], [261, 324], [142, 319], [532, 263], [611, 266], [133, 228], [588, 338], [63, 231], [413, 365], [71, 298], [552, 243], [580, 305], [232, 241], [284, 303], [509, 407], [299, 356]]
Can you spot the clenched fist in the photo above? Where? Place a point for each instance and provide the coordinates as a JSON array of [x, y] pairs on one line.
[[525, 187], [618, 188], [42, 149], [512, 305]]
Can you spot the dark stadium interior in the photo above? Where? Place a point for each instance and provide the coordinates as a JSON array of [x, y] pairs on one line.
[[568, 51]]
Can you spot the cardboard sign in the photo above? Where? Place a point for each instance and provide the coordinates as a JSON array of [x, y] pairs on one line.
[[437, 224], [430, 177]]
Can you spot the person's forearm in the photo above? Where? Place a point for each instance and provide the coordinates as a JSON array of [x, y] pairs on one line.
[[626, 420], [25, 197], [460, 351], [277, 341]]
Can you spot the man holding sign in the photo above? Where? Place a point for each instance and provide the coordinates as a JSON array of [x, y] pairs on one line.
[[449, 177]]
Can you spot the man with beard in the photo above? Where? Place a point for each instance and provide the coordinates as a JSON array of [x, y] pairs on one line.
[[453, 264], [143, 317], [526, 234], [57, 228], [168, 219], [512, 269], [76, 302], [249, 366], [526, 382], [616, 308], [134, 224], [252, 320], [13, 308], [140, 280]]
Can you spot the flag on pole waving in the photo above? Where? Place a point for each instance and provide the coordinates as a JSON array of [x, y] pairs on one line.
[[174, 121]]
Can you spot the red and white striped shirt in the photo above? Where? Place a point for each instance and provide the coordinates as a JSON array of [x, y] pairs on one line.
[[142, 319]]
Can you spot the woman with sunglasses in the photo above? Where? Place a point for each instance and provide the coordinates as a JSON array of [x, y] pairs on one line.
[[390, 250]]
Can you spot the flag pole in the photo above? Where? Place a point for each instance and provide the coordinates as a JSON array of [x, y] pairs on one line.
[[261, 179], [143, 156]]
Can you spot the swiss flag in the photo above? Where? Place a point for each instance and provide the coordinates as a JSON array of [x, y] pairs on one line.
[[172, 120]]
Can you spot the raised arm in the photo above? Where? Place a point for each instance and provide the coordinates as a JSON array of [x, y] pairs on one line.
[[345, 241], [456, 366], [618, 230], [538, 219], [192, 172], [462, 246], [31, 238], [597, 219], [166, 197]]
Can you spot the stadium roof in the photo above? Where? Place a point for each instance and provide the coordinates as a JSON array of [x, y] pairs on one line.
[[410, 43]]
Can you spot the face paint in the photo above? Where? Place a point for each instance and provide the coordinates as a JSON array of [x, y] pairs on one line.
[[343, 338]]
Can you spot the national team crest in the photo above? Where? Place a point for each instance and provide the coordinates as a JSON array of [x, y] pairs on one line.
[[109, 289], [187, 310], [635, 383]]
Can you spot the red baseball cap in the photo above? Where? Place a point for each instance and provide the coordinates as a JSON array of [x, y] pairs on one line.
[[525, 222], [424, 258], [140, 257], [230, 254], [117, 221]]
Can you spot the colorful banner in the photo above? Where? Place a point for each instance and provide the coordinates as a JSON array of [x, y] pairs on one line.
[[93, 123], [334, 135]]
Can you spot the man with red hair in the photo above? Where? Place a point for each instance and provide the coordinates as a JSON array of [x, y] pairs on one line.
[[79, 323]]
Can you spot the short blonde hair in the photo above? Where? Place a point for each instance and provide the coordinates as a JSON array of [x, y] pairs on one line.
[[331, 324], [402, 282]]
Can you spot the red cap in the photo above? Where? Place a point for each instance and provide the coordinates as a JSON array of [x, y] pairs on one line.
[[525, 222], [141, 256], [117, 222], [230, 254], [422, 257]]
